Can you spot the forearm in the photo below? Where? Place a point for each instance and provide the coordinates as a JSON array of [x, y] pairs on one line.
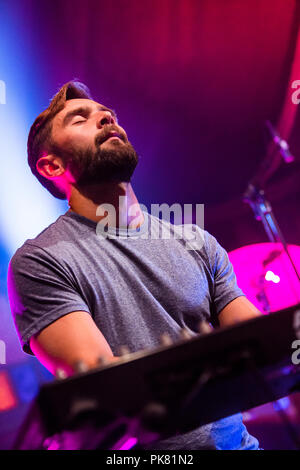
[[71, 343], [240, 309]]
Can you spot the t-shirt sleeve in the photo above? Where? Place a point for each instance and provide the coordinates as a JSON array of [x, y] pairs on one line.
[[225, 288], [40, 291]]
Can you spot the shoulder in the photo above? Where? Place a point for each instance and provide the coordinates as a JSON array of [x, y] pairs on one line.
[[39, 248]]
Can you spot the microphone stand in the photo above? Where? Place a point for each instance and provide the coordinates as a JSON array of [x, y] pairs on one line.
[[255, 195]]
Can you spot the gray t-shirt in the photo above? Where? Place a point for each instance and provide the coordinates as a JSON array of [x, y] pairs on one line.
[[136, 284]]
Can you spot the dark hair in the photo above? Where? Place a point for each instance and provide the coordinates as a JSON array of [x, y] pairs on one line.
[[40, 134]]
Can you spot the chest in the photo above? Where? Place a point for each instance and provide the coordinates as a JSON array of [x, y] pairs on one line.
[[162, 270]]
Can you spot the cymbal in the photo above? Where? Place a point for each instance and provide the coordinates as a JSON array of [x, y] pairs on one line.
[[266, 276]]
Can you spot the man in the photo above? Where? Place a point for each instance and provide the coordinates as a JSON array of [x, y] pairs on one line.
[[92, 282]]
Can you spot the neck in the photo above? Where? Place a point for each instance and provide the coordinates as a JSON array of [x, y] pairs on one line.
[[117, 201]]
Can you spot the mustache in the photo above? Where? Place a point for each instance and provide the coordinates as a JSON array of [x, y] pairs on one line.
[[106, 133]]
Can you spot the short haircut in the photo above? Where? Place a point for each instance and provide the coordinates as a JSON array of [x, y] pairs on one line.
[[40, 134]]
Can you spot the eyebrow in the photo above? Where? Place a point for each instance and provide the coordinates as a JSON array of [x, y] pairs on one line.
[[85, 111]]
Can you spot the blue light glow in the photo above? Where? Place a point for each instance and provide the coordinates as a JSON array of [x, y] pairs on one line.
[[26, 208]]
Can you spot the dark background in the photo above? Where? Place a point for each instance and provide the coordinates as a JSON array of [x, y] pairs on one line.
[[192, 82]]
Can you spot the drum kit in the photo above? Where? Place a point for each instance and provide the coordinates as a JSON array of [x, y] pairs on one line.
[[268, 273]]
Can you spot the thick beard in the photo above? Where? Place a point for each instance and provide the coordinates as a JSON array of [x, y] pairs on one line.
[[115, 164]]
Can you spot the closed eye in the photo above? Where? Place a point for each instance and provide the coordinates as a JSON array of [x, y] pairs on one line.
[[78, 122]]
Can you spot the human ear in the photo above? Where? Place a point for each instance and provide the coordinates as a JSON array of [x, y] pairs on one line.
[[50, 166]]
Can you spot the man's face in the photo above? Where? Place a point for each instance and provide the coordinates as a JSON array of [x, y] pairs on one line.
[[94, 147]]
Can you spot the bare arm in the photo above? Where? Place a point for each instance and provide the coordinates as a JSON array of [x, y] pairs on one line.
[[239, 309], [72, 338]]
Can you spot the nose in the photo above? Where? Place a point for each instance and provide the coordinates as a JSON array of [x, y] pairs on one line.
[[105, 117]]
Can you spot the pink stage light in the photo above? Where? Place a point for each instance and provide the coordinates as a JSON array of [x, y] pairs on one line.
[[8, 399], [266, 276], [131, 442], [270, 276]]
